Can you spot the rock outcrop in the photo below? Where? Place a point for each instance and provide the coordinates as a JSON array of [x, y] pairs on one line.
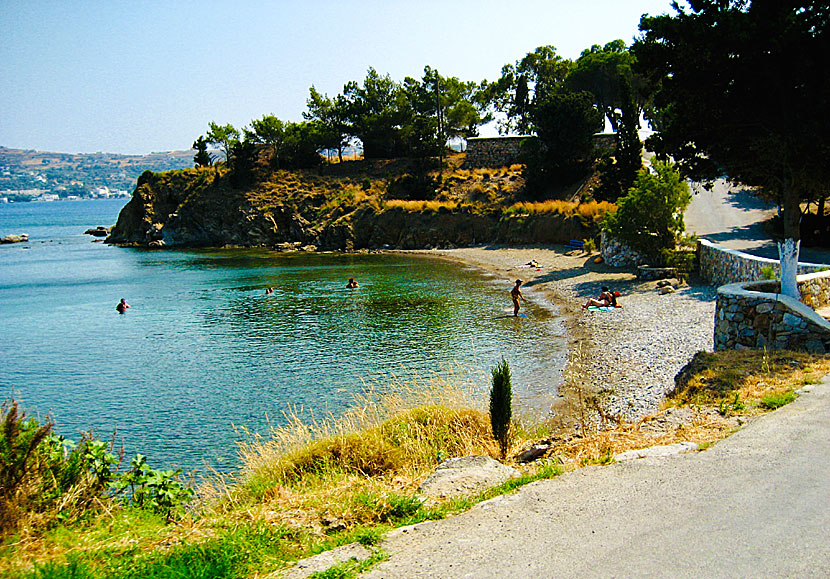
[[15, 238], [199, 208], [465, 476]]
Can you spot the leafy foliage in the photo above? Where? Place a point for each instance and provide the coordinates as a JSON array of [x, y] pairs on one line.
[[158, 491], [650, 217], [45, 479]]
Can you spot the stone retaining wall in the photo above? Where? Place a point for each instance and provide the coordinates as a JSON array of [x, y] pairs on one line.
[[720, 265], [752, 315], [493, 151], [617, 254]]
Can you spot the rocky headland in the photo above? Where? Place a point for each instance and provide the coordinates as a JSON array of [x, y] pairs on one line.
[[330, 212]]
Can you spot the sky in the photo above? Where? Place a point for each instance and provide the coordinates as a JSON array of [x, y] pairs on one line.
[[144, 76]]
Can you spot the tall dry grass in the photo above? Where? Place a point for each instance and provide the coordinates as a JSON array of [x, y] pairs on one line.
[[592, 210], [420, 206]]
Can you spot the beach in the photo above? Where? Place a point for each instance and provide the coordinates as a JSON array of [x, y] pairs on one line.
[[627, 357]]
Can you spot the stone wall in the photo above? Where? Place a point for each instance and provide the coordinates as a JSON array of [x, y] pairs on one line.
[[752, 315], [493, 151], [617, 254], [720, 265]]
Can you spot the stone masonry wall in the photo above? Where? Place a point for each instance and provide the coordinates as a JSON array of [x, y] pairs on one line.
[[751, 315], [493, 151], [720, 265], [617, 254]]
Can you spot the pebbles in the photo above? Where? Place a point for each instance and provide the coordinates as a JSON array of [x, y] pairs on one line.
[[631, 353], [635, 351]]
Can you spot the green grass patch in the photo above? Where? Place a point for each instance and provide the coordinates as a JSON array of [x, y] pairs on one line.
[[773, 401]]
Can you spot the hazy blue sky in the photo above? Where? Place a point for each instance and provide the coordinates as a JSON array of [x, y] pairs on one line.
[[142, 76]]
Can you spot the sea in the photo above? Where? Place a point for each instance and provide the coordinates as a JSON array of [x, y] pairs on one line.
[[204, 357]]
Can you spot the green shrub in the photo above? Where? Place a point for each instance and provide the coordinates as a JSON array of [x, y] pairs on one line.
[[768, 272], [501, 409], [650, 217]]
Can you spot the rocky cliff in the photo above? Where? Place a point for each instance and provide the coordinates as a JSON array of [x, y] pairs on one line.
[[199, 208]]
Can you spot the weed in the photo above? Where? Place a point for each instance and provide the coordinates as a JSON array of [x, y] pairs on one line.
[[725, 408], [768, 272]]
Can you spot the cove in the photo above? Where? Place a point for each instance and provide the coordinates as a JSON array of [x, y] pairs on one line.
[[204, 352]]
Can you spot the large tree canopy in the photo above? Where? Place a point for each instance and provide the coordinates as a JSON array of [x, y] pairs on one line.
[[607, 72], [740, 88]]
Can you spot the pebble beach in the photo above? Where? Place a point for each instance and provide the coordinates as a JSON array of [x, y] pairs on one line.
[[629, 355]]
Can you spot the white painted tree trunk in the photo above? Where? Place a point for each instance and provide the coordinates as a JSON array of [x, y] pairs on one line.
[[788, 254]]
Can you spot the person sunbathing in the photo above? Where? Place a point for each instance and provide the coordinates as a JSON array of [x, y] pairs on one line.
[[604, 300]]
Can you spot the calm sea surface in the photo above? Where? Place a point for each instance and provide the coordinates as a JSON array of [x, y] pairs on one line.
[[203, 348]]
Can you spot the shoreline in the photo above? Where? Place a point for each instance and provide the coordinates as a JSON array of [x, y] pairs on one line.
[[625, 359]]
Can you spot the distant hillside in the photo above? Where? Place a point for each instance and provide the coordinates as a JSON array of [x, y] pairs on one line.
[[26, 174]]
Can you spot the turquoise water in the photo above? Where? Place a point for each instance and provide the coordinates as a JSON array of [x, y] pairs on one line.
[[203, 349]]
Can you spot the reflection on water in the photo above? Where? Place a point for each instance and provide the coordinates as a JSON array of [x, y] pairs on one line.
[[203, 348]]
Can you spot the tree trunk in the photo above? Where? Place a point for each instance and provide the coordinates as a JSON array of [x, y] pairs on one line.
[[788, 249]]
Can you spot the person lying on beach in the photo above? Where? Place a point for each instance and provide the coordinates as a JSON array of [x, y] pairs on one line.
[[352, 283], [605, 300], [516, 295], [122, 306]]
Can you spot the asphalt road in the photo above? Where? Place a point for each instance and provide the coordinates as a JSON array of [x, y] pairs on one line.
[[733, 217], [756, 504]]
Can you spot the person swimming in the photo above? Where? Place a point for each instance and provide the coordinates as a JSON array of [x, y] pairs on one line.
[[352, 283], [122, 306]]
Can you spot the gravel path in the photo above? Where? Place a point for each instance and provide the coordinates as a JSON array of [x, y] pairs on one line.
[[631, 353]]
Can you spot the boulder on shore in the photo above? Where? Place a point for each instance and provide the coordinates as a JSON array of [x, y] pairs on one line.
[[15, 238], [466, 476]]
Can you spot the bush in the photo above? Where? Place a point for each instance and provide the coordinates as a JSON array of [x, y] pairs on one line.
[[44, 478], [501, 409], [649, 218]]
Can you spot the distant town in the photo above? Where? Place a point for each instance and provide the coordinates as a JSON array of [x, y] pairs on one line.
[[42, 176]]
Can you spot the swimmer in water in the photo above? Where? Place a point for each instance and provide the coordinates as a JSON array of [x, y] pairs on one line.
[[122, 306]]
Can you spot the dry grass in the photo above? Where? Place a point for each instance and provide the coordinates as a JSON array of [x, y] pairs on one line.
[[592, 210], [738, 381], [346, 468], [420, 206]]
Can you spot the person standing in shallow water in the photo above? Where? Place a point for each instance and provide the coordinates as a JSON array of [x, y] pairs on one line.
[[122, 306], [516, 295]]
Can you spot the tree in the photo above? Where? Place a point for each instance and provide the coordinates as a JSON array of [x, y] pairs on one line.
[[269, 131], [202, 158], [374, 113], [739, 88], [649, 218], [224, 136], [565, 123], [501, 405], [330, 117], [607, 72], [525, 83]]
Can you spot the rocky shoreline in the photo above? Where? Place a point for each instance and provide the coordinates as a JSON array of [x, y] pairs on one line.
[[627, 357]]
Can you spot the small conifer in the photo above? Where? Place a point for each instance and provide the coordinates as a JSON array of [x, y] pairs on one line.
[[501, 409]]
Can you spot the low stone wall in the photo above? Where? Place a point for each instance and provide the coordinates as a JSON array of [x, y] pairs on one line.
[[720, 265], [617, 254], [815, 289], [752, 315], [493, 151]]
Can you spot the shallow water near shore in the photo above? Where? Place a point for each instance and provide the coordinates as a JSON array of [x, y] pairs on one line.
[[204, 349]]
